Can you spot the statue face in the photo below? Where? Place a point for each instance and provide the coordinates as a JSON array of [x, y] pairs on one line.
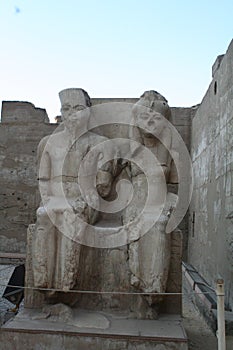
[[75, 116], [67, 110], [152, 121]]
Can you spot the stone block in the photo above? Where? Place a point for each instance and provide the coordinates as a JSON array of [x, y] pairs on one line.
[[167, 333]]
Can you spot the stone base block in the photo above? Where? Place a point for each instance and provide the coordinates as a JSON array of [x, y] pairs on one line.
[[92, 331]]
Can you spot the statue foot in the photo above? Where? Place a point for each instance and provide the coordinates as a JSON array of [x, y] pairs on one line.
[[134, 281], [58, 312]]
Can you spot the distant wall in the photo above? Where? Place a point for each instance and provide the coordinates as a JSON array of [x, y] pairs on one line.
[[22, 127], [211, 211]]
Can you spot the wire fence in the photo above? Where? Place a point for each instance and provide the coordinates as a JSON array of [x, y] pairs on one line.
[[104, 292]]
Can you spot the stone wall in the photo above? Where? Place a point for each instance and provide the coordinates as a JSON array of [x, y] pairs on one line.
[[181, 119], [211, 212], [22, 127]]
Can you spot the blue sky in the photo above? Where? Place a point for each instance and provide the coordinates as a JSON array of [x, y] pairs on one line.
[[110, 48]]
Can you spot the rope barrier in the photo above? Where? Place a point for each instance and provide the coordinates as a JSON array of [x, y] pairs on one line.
[[102, 292]]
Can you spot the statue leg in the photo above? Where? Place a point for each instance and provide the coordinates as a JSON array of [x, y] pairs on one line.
[[44, 250], [149, 261], [69, 249], [70, 254]]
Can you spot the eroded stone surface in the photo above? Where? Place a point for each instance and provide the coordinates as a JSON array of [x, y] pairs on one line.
[[149, 256], [210, 232], [121, 333], [57, 258], [64, 212], [19, 138]]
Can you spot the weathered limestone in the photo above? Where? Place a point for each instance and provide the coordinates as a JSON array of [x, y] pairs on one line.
[[75, 284], [22, 112], [149, 256], [89, 333], [111, 274], [210, 234], [58, 259], [21, 130], [63, 211]]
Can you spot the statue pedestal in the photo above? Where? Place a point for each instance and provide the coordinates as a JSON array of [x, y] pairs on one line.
[[93, 331]]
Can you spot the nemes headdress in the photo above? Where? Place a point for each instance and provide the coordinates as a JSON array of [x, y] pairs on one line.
[[155, 101]]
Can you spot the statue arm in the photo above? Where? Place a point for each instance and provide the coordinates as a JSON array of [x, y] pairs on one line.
[[108, 172], [44, 168]]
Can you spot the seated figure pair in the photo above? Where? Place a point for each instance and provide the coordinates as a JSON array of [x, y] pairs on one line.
[[66, 211]]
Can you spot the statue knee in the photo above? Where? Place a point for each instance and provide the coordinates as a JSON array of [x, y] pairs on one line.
[[42, 217]]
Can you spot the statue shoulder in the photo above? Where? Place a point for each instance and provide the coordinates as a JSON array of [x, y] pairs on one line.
[[95, 139], [43, 143]]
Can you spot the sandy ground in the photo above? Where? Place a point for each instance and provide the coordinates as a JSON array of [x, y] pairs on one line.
[[199, 334]]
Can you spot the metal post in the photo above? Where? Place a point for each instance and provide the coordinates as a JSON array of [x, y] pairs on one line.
[[220, 315]]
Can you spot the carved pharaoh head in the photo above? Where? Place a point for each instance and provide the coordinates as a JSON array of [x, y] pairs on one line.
[[73, 100], [155, 102], [149, 112], [74, 108]]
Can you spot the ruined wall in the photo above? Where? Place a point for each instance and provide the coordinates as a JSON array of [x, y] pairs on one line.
[[22, 127], [211, 235]]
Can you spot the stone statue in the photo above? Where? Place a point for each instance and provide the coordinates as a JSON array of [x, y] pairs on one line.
[[63, 213], [58, 258], [149, 255]]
